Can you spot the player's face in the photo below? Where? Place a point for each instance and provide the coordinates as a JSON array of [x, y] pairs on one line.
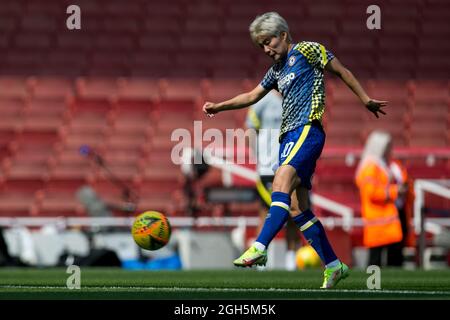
[[276, 47]]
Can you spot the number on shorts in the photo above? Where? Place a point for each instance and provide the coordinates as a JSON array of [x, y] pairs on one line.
[[287, 149]]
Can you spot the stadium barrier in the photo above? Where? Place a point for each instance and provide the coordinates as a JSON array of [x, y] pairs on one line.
[[422, 224]]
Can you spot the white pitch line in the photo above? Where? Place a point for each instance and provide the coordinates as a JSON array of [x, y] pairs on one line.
[[169, 289]]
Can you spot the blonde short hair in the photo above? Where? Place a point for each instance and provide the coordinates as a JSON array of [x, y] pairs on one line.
[[268, 24]]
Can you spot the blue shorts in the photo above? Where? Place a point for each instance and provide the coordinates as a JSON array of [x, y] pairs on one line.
[[301, 148]]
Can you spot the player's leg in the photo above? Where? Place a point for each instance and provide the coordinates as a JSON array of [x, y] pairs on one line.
[[298, 147], [315, 234], [264, 189], [304, 160], [284, 183], [313, 230], [292, 235]]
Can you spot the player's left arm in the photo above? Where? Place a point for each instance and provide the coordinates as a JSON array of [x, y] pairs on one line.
[[336, 67]]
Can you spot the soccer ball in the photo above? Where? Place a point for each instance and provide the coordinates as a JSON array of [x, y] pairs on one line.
[[306, 257], [151, 230]]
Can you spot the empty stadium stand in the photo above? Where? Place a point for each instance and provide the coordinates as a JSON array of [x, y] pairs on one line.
[[204, 39], [130, 127], [138, 70]]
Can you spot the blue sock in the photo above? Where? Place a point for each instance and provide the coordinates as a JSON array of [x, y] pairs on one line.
[[315, 234], [276, 218]]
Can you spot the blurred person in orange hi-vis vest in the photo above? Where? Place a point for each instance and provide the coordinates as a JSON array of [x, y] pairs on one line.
[[386, 201]]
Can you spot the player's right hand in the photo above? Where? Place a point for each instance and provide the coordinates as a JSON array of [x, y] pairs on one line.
[[209, 109]]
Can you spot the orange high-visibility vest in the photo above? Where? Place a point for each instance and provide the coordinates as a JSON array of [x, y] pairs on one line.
[[381, 221]]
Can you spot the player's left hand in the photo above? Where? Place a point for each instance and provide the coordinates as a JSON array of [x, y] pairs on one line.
[[375, 106]]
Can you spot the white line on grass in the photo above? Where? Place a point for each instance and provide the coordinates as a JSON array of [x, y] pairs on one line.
[[179, 289]]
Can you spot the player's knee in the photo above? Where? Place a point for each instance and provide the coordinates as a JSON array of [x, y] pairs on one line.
[[286, 180]]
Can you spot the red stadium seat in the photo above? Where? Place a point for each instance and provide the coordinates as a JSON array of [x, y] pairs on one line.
[[53, 106], [119, 8], [324, 10], [435, 27], [26, 171], [16, 204], [8, 23], [431, 92], [65, 63], [122, 25], [231, 71], [32, 40], [6, 137], [180, 90], [44, 115], [156, 202], [236, 27], [346, 45], [75, 40], [222, 89], [429, 134], [130, 126], [70, 172], [203, 26], [164, 10], [39, 22], [155, 188], [205, 10], [390, 90], [193, 43], [17, 197], [122, 171], [11, 112], [51, 87], [96, 88], [138, 88], [245, 11], [159, 25], [342, 133], [13, 87], [399, 44], [59, 204], [31, 156], [106, 58], [396, 26], [114, 42]]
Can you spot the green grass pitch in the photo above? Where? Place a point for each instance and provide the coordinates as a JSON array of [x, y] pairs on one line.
[[108, 283]]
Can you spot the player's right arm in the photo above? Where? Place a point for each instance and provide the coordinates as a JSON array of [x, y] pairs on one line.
[[240, 101]]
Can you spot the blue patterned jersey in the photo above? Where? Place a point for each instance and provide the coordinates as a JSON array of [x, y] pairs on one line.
[[299, 78]]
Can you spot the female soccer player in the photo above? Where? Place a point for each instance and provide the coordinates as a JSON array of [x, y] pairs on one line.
[[297, 73]]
